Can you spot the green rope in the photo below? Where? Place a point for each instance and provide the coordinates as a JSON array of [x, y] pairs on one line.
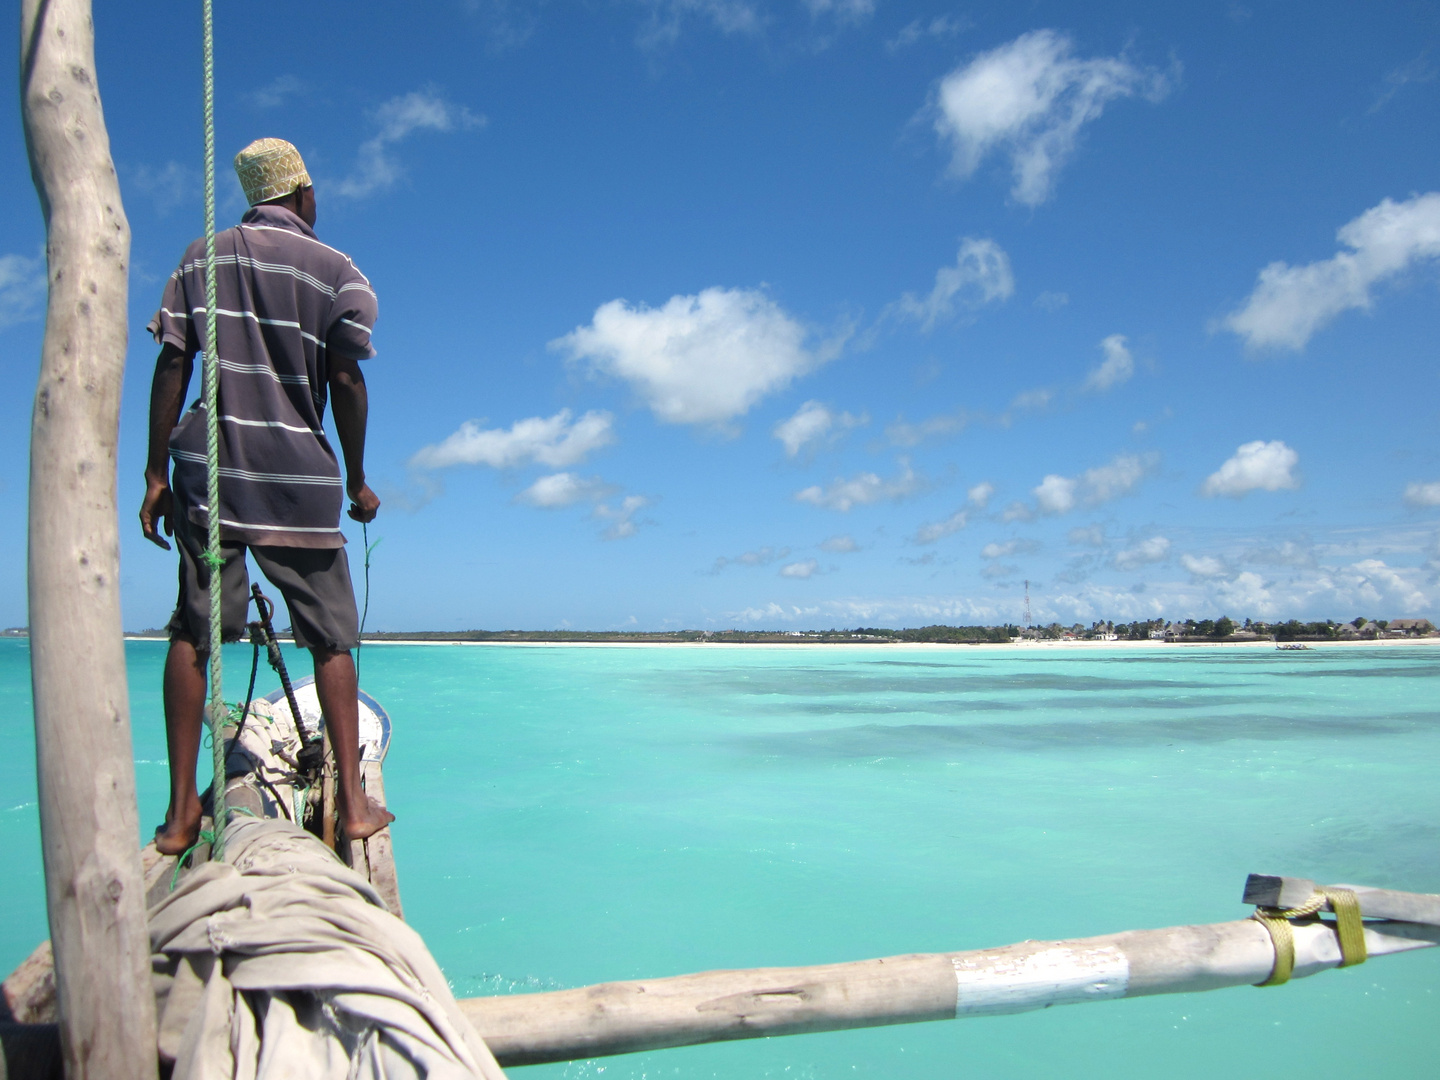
[[360, 641], [211, 379]]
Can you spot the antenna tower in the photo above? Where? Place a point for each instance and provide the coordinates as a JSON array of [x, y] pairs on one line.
[[1027, 604]]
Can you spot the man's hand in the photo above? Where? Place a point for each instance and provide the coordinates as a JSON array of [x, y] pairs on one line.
[[156, 510], [364, 503]]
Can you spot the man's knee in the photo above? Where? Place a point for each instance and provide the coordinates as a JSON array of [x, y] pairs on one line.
[[184, 645]]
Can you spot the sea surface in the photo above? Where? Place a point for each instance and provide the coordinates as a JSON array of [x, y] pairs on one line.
[[571, 815]]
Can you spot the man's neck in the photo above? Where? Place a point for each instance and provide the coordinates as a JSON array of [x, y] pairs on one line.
[[279, 216]]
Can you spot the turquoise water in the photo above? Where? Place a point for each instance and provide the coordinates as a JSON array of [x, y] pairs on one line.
[[573, 815]]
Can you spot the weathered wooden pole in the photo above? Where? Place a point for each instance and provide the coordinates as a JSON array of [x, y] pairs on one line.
[[88, 822], [717, 1006]]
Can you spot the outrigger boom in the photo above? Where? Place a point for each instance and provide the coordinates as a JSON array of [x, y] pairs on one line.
[[717, 1006], [624, 1017]]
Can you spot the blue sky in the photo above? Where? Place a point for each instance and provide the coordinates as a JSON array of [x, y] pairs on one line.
[[811, 313]]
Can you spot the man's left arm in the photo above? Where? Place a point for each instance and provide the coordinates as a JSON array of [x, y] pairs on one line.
[[350, 404]]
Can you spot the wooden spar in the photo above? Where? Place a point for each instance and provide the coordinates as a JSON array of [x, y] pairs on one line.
[[714, 1006], [88, 820]]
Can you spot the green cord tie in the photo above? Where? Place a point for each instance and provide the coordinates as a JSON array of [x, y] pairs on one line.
[[1349, 929], [206, 836]]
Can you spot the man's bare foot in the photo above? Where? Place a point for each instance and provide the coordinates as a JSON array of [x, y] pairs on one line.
[[178, 833], [372, 818]]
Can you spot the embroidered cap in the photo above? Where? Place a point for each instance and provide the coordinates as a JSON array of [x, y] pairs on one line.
[[269, 169]]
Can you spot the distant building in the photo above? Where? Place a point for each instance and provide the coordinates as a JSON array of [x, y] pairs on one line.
[[1411, 626]]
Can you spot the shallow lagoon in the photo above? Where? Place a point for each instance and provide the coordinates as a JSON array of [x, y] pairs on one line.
[[570, 815]]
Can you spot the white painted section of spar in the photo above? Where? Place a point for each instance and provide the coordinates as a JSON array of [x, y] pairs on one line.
[[1059, 975]]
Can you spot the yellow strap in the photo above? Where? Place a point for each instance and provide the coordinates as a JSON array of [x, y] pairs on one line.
[[1349, 928], [1283, 938]]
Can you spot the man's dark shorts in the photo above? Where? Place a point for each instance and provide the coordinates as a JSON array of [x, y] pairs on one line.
[[315, 583]]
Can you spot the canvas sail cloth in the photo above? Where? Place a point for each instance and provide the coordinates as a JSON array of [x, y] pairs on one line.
[[283, 962]]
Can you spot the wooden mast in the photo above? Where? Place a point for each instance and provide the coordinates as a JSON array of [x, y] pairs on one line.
[[88, 820]]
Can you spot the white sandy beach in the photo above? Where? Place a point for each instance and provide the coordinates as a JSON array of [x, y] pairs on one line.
[[1032, 646]]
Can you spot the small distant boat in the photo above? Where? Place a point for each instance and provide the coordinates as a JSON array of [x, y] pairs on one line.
[[1291, 646]]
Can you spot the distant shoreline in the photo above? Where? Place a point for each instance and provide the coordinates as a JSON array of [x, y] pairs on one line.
[[1019, 646], [1026, 646]]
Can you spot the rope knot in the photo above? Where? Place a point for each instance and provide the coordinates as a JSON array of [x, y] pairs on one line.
[[1349, 929]]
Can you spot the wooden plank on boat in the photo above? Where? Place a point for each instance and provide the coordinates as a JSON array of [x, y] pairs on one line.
[[380, 852]]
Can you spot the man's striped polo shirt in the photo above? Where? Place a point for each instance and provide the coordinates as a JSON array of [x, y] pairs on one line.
[[286, 304]]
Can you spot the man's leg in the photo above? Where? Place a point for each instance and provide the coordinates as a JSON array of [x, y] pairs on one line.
[[335, 685], [185, 672], [184, 717]]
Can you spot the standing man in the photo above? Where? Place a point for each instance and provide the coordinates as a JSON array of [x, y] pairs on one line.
[[293, 321]]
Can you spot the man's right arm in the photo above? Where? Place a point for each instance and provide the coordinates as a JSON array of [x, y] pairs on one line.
[[167, 397]]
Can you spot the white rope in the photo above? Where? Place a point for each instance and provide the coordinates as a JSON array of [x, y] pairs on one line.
[[211, 376]]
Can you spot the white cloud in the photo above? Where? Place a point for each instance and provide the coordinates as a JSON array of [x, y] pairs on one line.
[[420, 110], [1087, 536], [621, 516], [274, 93], [977, 498], [168, 185], [938, 530], [22, 288], [1290, 303], [1247, 592], [1060, 494], [507, 24], [1030, 400], [554, 441], [1115, 369], [1056, 494], [1155, 549], [803, 569], [995, 571], [1203, 566], [1427, 494], [941, 27], [701, 359], [1286, 553], [902, 433], [1018, 546], [981, 273], [840, 545], [759, 557], [844, 12], [1030, 98], [863, 489], [566, 489], [1419, 70], [1120, 477], [1381, 584], [563, 489], [662, 28], [1256, 466], [1017, 511], [814, 423], [774, 611]]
